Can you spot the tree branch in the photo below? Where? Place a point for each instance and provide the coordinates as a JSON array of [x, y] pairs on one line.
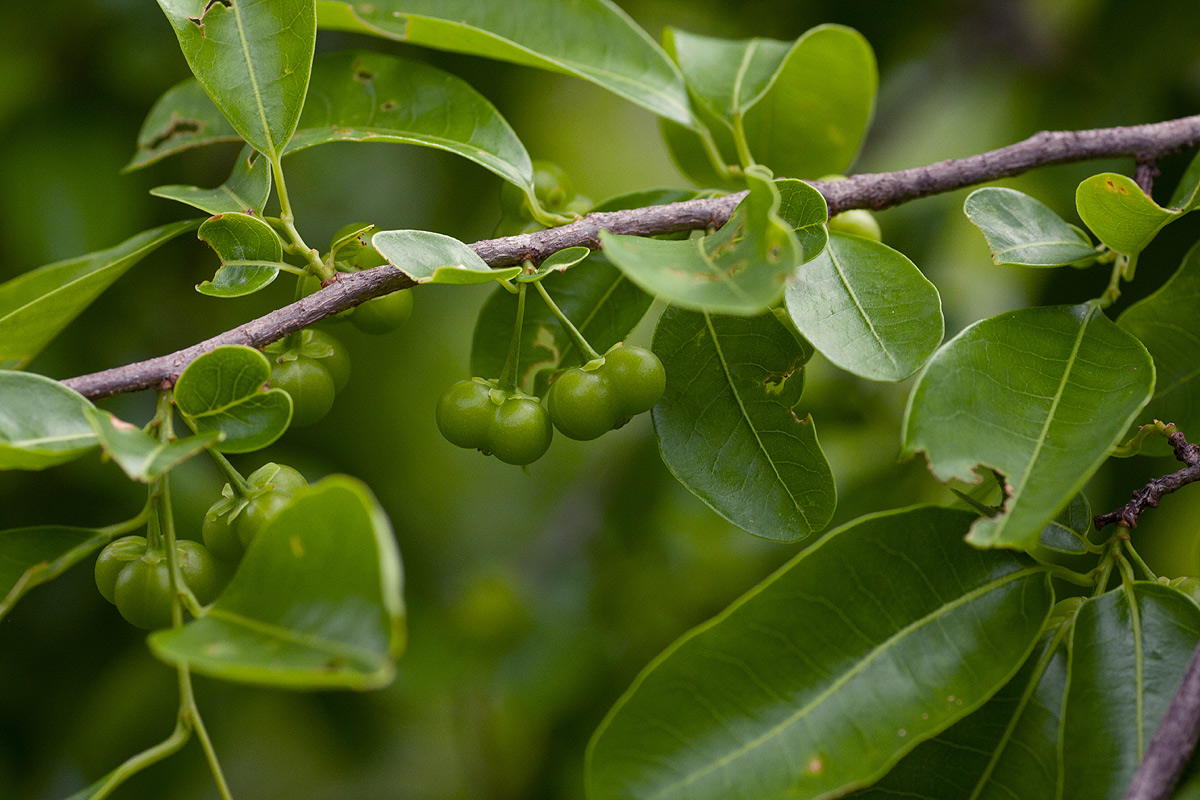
[[1149, 495], [1146, 143], [1176, 736]]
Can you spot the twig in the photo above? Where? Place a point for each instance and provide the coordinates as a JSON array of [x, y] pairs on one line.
[[1176, 736], [1149, 495], [1145, 172], [1147, 143]]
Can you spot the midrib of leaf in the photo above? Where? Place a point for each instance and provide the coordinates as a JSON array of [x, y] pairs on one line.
[[258, 101], [65, 437], [845, 678], [1023, 245], [736, 97], [320, 643], [1062, 387], [833, 259], [746, 416], [1135, 619], [1026, 696]]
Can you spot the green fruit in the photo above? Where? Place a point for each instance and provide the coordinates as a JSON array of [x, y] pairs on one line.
[[856, 222], [521, 432], [330, 353], [219, 536], [381, 315], [258, 513], [588, 401], [138, 581], [310, 386], [475, 414], [465, 412], [115, 557]]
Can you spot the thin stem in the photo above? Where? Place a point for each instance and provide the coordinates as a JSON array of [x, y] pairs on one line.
[[1071, 576], [508, 377], [181, 594], [129, 525], [1127, 576], [148, 757], [1137, 560], [714, 154], [739, 140], [287, 220], [189, 710], [1113, 290], [1104, 572], [240, 486], [580, 341]]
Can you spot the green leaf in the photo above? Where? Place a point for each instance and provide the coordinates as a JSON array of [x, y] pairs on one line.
[[687, 151], [811, 119], [1186, 196], [361, 96], [35, 306], [1167, 323], [1129, 651], [866, 308], [250, 251], [223, 391], [805, 209], [314, 604], [253, 57], [1006, 749], [590, 39], [1022, 231], [183, 118], [1068, 532], [1120, 213], [726, 76], [818, 680], [42, 422], [1038, 394], [246, 191], [601, 302], [30, 557], [560, 261], [435, 258], [740, 269], [728, 425], [139, 455]]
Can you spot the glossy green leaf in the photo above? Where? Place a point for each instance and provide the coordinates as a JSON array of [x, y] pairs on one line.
[[35, 306], [866, 308], [740, 269], [687, 151], [805, 209], [811, 119], [435, 258], [139, 455], [315, 603], [590, 39], [1039, 394], [1129, 650], [560, 261], [223, 391], [42, 422], [729, 425], [253, 57], [601, 302], [246, 191], [1024, 232], [1068, 532], [726, 75], [818, 680], [1167, 323], [361, 96], [1007, 749], [183, 118], [1186, 196], [1120, 213], [30, 557], [250, 251]]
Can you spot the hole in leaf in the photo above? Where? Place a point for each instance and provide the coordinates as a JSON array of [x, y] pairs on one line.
[[364, 75], [388, 105]]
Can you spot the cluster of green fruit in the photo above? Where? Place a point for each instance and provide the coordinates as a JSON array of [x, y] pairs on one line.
[[583, 403], [313, 366], [133, 574]]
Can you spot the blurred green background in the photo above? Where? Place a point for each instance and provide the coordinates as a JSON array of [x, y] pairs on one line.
[[534, 599]]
